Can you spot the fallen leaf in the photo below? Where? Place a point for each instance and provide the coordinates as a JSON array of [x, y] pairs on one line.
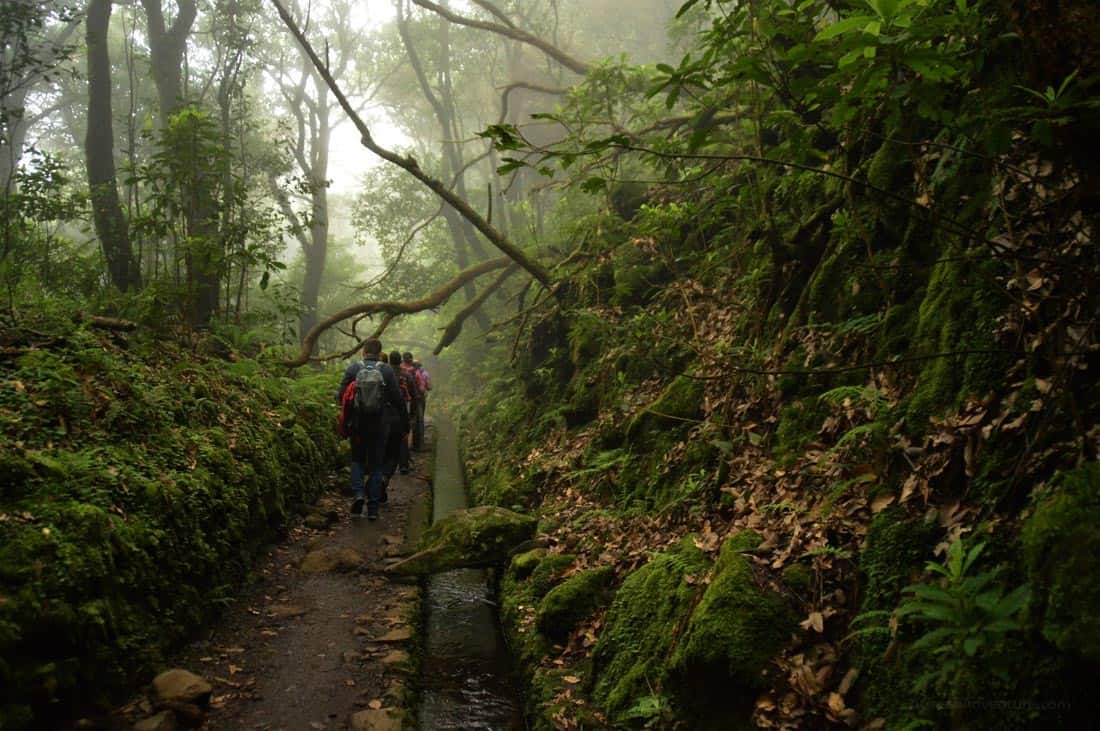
[[571, 679], [375, 704], [881, 502]]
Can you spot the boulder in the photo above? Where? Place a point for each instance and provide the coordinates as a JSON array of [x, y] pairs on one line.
[[734, 632], [564, 606], [476, 538], [181, 686], [329, 559], [375, 720]]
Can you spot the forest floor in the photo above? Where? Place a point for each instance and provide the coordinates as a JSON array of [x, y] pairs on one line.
[[320, 637]]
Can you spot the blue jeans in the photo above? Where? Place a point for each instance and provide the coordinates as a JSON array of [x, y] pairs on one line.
[[367, 461]]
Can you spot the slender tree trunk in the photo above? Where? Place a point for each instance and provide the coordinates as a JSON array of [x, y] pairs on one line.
[[110, 225]]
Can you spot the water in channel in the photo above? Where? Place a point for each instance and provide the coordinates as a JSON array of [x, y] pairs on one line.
[[466, 676]]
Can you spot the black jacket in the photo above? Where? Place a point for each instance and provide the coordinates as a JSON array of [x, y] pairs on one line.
[[396, 411]]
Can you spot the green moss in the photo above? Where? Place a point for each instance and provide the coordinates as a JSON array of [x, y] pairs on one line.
[[524, 563], [734, 632], [136, 517], [1062, 553], [798, 577], [896, 550], [564, 606], [588, 336], [653, 603], [636, 276], [682, 399], [799, 423]]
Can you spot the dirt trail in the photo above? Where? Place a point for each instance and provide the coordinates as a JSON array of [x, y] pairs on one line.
[[302, 650]]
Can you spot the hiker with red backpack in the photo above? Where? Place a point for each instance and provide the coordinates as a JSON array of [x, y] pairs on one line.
[[422, 404], [416, 407], [397, 442], [368, 395]]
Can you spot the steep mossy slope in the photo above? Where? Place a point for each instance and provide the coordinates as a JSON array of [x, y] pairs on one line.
[[900, 397], [137, 480]]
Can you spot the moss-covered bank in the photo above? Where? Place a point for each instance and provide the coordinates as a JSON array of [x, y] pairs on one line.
[[138, 482]]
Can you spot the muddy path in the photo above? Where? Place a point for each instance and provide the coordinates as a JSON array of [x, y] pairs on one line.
[[320, 639]]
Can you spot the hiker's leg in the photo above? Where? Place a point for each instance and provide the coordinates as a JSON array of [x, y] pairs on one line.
[[376, 449]]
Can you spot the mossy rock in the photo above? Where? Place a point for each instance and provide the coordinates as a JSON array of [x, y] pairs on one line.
[[736, 629], [653, 603], [1062, 555], [475, 538], [524, 563], [564, 606], [682, 399], [894, 555]]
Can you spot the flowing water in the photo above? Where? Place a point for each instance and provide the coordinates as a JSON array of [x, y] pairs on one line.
[[466, 676]]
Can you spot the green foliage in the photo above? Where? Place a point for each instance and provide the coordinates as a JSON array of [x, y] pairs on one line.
[[968, 614]]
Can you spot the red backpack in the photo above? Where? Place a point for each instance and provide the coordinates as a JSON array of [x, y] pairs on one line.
[[347, 411]]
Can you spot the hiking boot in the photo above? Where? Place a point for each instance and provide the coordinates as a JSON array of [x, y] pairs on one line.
[[372, 512], [404, 470], [357, 507]]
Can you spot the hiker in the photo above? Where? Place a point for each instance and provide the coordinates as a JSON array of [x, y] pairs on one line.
[[426, 381], [416, 407], [369, 389], [407, 379], [397, 441]]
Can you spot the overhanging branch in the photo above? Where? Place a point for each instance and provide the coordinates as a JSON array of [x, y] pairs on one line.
[[433, 300], [409, 165]]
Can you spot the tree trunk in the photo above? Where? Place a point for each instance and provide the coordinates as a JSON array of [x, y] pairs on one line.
[[110, 225]]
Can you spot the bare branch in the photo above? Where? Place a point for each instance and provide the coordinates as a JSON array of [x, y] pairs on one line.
[[573, 64], [454, 327], [433, 300]]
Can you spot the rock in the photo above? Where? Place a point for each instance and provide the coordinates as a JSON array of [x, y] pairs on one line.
[[399, 634], [181, 686], [653, 602], [734, 632], [375, 720], [163, 721], [316, 521], [332, 558], [524, 563], [285, 611], [476, 538], [397, 657], [564, 606]]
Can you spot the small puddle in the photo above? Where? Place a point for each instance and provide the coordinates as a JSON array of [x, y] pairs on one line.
[[466, 679]]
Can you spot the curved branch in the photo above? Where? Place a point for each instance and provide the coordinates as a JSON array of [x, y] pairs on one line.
[[433, 300], [507, 91], [454, 327], [516, 34], [409, 164]]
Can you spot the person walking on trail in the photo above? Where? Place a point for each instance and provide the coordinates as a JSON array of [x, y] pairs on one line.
[[416, 408], [397, 440], [426, 381], [367, 392], [408, 389]]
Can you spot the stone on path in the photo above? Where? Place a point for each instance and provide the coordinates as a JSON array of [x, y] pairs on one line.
[[181, 686], [400, 634], [331, 559], [375, 720], [397, 657], [163, 721], [285, 611], [475, 538]]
